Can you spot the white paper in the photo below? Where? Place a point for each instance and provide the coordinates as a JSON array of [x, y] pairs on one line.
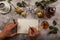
[[25, 24]]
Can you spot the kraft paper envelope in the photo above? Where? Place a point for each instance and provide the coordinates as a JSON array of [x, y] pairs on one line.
[[25, 24]]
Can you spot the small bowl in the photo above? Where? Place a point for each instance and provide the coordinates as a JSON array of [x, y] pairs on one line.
[[5, 7], [2, 5]]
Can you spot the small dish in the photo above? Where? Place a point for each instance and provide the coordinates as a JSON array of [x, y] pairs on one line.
[[5, 7]]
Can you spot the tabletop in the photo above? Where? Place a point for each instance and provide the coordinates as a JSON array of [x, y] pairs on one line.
[[43, 34]]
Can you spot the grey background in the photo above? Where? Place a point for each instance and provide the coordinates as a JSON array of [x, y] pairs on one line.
[[43, 34]]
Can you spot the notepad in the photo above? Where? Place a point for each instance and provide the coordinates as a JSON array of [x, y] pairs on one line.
[[25, 24]]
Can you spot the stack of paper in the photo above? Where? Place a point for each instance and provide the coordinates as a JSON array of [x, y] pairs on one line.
[[25, 24]]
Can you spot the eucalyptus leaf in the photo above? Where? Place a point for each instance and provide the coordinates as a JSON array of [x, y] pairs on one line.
[[51, 27], [24, 4], [41, 4], [37, 4], [54, 23], [44, 2], [50, 32], [21, 4], [2, 0], [53, 1], [53, 30], [9, 1]]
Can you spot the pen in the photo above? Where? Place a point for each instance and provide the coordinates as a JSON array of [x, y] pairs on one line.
[[14, 21], [32, 29]]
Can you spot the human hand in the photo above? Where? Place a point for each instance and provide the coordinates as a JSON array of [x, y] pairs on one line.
[[7, 31], [33, 33]]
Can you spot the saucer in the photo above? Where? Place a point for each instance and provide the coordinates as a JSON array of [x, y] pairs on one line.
[[5, 7]]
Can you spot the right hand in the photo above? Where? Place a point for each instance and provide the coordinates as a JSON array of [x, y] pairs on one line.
[[33, 33]]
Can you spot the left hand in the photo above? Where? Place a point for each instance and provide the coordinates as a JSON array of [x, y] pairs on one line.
[[7, 31]]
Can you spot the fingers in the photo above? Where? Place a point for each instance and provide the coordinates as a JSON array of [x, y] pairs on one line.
[[13, 34], [12, 25], [40, 28], [30, 32], [34, 29], [33, 32]]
